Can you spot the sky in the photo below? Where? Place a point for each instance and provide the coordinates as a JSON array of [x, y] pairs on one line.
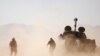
[[49, 12]]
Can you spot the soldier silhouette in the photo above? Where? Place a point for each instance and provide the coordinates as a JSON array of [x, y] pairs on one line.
[[52, 45], [13, 46]]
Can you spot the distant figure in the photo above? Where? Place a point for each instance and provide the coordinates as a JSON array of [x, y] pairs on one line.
[[13, 46], [52, 45]]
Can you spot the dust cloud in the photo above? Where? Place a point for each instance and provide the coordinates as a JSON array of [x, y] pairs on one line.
[[35, 44]]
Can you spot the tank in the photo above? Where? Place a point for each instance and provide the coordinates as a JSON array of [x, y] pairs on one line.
[[76, 41]]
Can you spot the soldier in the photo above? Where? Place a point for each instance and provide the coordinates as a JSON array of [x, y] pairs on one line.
[[13, 46], [52, 45]]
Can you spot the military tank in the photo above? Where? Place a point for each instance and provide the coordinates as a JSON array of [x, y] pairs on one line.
[[77, 41]]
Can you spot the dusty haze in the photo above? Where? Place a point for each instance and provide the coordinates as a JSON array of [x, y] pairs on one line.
[[32, 40]]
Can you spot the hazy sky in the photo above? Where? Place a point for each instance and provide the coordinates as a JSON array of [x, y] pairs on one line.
[[49, 12]]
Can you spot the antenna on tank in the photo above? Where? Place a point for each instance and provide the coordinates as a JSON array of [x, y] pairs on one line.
[[75, 23]]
